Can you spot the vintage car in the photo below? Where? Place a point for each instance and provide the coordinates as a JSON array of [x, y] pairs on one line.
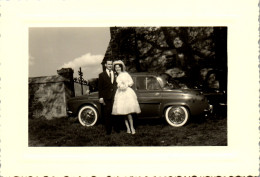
[[156, 99], [216, 92]]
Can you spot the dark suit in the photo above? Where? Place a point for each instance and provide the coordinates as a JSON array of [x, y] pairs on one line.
[[107, 90]]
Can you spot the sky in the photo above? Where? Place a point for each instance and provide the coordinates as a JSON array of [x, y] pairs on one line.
[[51, 49]]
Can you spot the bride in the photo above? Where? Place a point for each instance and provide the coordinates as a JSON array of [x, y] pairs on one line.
[[125, 101]]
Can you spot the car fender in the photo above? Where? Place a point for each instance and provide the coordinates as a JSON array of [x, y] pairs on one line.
[[165, 106], [97, 106]]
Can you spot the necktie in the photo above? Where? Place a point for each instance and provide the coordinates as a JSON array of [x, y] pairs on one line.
[[110, 75]]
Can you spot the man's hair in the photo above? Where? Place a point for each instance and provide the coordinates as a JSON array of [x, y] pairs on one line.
[[109, 59]]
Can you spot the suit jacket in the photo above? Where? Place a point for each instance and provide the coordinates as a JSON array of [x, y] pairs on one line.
[[106, 89]]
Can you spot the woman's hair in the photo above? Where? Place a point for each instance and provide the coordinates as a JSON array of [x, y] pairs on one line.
[[121, 66], [119, 63]]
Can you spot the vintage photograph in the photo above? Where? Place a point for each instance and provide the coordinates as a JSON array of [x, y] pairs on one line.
[[128, 86]]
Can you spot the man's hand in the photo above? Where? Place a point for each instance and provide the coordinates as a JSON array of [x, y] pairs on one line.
[[101, 100]]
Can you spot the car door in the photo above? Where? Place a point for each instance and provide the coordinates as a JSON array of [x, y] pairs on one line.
[[148, 91]]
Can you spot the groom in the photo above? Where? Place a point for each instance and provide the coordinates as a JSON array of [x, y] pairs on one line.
[[106, 90]]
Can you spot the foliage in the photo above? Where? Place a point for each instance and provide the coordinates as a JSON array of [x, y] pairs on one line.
[[156, 49]]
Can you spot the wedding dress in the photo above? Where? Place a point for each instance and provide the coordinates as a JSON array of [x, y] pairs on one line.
[[125, 101]]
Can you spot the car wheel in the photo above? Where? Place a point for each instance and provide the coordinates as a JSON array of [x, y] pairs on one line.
[[177, 116], [88, 116]]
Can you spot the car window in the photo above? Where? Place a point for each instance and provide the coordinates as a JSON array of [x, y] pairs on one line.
[[147, 83], [152, 84], [168, 82], [141, 83]]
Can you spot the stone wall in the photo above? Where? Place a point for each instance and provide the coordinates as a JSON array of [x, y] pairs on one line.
[[48, 96], [67, 73]]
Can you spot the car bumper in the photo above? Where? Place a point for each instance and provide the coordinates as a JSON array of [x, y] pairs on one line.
[[70, 113], [209, 110]]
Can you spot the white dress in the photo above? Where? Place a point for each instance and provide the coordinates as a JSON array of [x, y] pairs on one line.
[[125, 101]]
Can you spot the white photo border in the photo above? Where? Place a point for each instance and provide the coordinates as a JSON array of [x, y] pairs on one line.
[[241, 155]]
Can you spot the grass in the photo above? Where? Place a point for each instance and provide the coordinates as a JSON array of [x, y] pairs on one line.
[[69, 132]]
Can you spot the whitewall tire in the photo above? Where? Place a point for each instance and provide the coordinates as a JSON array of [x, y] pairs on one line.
[[177, 116], [88, 116]]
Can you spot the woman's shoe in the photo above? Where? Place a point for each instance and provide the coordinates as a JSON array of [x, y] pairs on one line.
[[133, 132], [128, 131]]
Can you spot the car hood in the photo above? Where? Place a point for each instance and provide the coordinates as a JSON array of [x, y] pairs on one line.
[[93, 95], [79, 97], [87, 96]]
